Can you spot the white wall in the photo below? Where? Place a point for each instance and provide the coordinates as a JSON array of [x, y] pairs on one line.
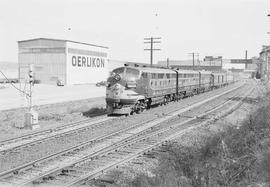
[[85, 63], [235, 66]]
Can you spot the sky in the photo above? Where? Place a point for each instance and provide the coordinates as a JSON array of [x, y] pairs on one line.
[[209, 27]]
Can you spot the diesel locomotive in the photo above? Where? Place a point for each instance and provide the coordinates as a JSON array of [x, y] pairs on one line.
[[134, 89]]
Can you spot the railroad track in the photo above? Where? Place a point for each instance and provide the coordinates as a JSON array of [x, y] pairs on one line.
[[40, 136], [41, 168], [26, 140]]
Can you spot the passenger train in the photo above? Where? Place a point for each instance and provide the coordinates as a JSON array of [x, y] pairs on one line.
[[133, 89]]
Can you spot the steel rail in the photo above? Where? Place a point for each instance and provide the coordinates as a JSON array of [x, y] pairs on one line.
[[188, 108], [32, 138], [174, 134], [52, 133]]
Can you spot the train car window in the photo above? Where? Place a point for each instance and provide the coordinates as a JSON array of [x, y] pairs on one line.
[[173, 75], [168, 75], [132, 73], [144, 75], [155, 83], [160, 76], [153, 75]]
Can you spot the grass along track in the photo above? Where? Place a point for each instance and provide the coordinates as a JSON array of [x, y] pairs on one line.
[[126, 150], [149, 126]]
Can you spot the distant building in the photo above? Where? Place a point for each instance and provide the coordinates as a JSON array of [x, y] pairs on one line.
[[208, 64], [62, 60], [264, 62]]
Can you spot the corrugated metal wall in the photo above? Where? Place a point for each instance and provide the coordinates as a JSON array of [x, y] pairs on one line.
[[48, 67], [68, 61], [48, 57]]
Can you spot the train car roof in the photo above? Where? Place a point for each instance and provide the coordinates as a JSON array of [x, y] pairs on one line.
[[219, 73], [153, 70], [165, 70], [186, 71], [205, 72]]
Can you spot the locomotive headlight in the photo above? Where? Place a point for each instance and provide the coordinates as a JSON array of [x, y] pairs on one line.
[[117, 77]]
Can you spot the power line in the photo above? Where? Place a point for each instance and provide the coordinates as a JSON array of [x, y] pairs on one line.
[[9, 81]]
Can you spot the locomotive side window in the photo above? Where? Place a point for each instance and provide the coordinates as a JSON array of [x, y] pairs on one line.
[[144, 75], [119, 71], [153, 75], [160, 76]]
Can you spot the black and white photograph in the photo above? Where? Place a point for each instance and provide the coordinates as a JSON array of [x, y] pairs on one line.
[[134, 93]]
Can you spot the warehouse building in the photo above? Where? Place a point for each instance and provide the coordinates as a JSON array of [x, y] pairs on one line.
[[66, 61]]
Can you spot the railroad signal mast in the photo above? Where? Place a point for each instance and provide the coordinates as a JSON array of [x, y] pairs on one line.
[[31, 83], [152, 40], [31, 117]]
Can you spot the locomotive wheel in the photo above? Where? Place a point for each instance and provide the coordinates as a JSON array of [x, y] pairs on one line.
[[137, 107], [142, 106]]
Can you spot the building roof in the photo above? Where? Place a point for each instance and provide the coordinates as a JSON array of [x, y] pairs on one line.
[[265, 48], [61, 40]]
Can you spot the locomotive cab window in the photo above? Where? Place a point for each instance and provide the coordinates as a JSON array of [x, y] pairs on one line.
[[119, 71], [132, 73]]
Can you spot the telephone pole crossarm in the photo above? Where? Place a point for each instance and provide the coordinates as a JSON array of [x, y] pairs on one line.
[[152, 49], [154, 38]]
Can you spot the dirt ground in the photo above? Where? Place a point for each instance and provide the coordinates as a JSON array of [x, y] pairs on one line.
[[43, 94], [142, 171], [50, 116]]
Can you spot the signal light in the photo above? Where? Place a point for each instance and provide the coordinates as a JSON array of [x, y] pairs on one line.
[[31, 74]]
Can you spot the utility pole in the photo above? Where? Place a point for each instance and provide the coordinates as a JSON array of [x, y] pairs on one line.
[[193, 59], [246, 59], [267, 58], [152, 40]]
